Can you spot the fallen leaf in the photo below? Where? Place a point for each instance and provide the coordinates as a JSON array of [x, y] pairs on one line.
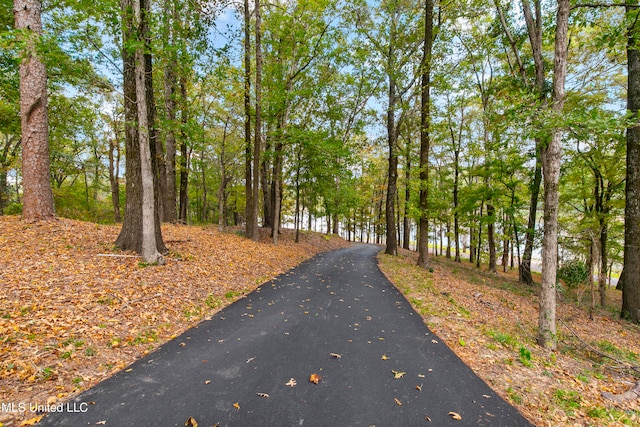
[[191, 422], [237, 405], [292, 383], [207, 382], [315, 378], [31, 421], [101, 423], [397, 401], [265, 395], [434, 341], [455, 416], [384, 357], [419, 387], [427, 418], [336, 355], [398, 374]]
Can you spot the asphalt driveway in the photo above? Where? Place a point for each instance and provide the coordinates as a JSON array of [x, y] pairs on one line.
[[335, 316]]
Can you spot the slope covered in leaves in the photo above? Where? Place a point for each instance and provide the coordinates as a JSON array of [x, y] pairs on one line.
[[490, 320], [73, 310]]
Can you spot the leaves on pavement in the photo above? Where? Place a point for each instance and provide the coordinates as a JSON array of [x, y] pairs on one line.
[[455, 416], [191, 422], [315, 378], [398, 374], [291, 383]]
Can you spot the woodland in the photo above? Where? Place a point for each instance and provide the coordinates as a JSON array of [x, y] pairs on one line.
[[503, 134]]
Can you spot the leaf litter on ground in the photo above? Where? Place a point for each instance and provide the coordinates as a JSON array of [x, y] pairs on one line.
[[71, 317]]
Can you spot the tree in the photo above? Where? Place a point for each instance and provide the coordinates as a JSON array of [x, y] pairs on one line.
[[133, 235], [425, 117], [550, 156], [38, 196], [631, 268], [251, 214]]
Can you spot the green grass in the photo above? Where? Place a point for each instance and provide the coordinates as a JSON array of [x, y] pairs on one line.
[[569, 401]]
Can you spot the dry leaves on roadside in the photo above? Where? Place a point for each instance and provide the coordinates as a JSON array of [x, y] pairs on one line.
[[70, 317]]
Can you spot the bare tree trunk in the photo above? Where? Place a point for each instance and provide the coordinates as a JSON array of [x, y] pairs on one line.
[[149, 245], [38, 202], [551, 156], [130, 237]]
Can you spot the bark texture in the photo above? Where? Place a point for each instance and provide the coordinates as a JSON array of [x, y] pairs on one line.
[[38, 197], [551, 156], [425, 141], [631, 285]]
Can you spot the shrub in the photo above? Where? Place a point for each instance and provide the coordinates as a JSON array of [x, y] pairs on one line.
[[573, 273]]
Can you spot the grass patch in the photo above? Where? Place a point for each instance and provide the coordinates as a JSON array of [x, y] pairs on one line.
[[569, 401]]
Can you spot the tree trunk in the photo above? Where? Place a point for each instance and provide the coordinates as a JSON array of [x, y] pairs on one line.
[[392, 171], [170, 213], [524, 270], [184, 157], [425, 138], [406, 221], [114, 175], [149, 249], [551, 156], [131, 234], [493, 259], [534, 29], [257, 146], [38, 202], [251, 221], [631, 268]]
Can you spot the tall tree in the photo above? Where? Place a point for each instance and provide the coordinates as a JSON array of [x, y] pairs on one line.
[[551, 155], [38, 196], [425, 117], [133, 34], [257, 145], [631, 268], [251, 215]]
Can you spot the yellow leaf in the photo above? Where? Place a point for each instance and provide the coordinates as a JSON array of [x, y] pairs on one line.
[[237, 405], [384, 357], [207, 382], [31, 421], [397, 402], [455, 416], [397, 374], [191, 422]]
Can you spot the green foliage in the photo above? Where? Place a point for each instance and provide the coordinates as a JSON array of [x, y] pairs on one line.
[[573, 273], [525, 357], [570, 401]]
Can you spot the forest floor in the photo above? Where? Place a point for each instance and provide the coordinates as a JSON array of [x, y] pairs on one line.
[[74, 310], [490, 321]]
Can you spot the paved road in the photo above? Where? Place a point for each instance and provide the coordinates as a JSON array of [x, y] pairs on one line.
[[336, 316]]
